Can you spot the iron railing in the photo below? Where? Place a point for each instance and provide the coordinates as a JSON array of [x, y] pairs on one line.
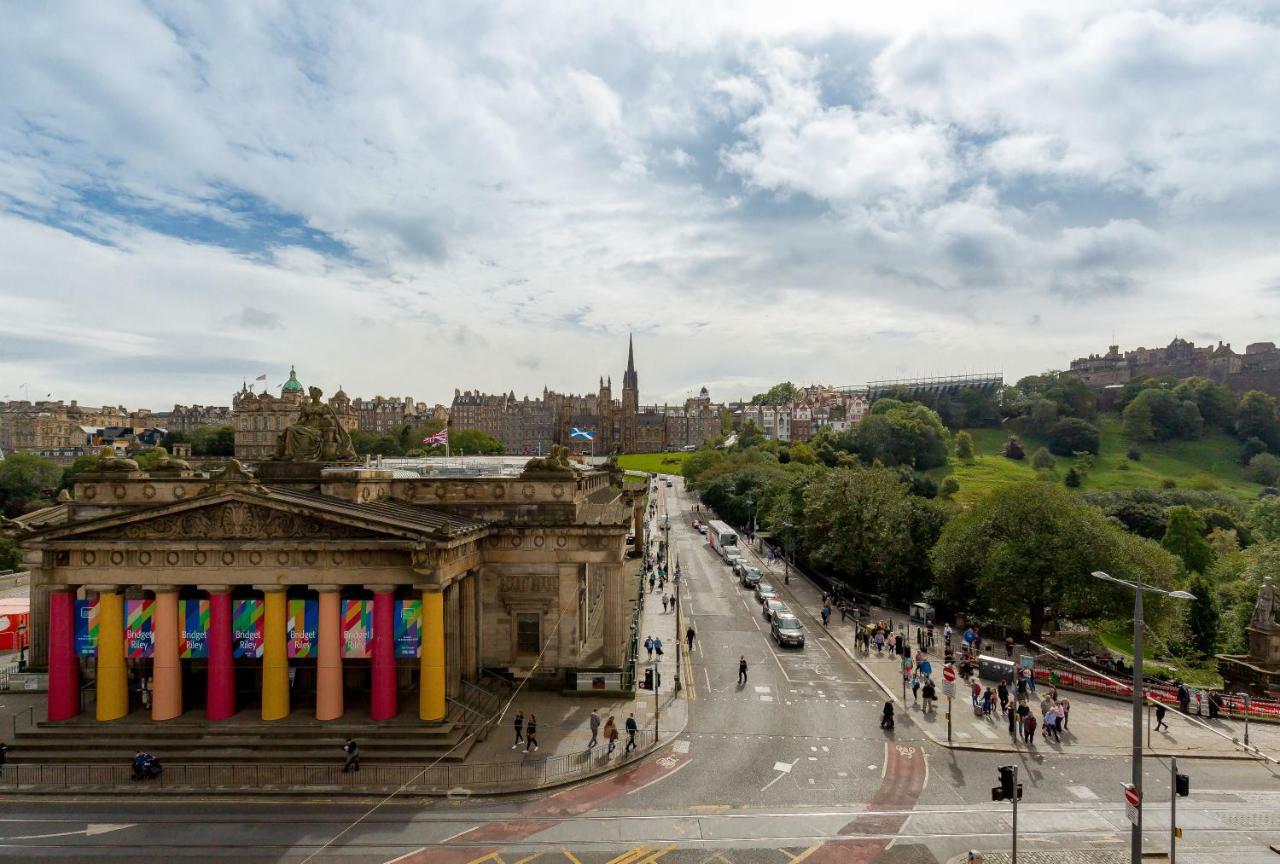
[[443, 778]]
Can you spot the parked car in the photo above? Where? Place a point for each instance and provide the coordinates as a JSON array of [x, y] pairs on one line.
[[702, 529], [668, 483], [766, 596], [750, 577], [772, 607], [786, 630], [731, 557], [761, 588]]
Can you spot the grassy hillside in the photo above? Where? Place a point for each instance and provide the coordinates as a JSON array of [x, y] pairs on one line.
[[1209, 463], [661, 463]]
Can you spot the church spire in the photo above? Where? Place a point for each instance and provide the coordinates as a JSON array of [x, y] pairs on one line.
[[631, 355]]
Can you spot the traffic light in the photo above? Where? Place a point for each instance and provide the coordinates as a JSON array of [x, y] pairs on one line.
[[1007, 788], [1182, 785]]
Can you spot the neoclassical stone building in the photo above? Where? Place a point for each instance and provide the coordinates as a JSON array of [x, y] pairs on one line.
[[312, 588]]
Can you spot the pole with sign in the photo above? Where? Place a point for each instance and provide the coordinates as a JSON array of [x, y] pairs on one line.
[[1132, 803], [948, 690], [906, 676]]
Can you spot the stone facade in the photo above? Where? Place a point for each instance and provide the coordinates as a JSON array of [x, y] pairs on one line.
[[520, 574], [819, 407], [1258, 368], [37, 426], [189, 418], [532, 426], [381, 415], [261, 417]]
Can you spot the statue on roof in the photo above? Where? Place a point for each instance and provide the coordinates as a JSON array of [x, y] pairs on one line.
[[317, 436]]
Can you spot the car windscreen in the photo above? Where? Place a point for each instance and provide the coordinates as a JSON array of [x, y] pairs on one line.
[[788, 624]]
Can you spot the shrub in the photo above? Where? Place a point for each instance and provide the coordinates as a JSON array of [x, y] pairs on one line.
[[1168, 483], [1263, 468], [950, 486], [1123, 465], [965, 449], [1134, 454], [1073, 478], [1042, 461], [1013, 448], [1073, 435], [1252, 448], [1204, 483]]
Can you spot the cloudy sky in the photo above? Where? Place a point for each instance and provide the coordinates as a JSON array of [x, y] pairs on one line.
[[408, 198]]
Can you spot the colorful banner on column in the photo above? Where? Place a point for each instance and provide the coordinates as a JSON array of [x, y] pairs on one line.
[[304, 628], [357, 628], [87, 627], [193, 637], [246, 628], [139, 635], [408, 628]]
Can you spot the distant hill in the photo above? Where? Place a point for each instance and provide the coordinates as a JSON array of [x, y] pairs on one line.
[[1209, 463]]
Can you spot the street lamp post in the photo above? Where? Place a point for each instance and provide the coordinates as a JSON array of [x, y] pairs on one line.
[[1135, 833], [679, 633]]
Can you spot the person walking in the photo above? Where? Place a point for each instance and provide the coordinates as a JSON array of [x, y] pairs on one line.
[[594, 722], [4, 754], [1002, 693], [689, 636], [1012, 716], [742, 670], [988, 700], [975, 690], [632, 728], [1160, 712], [1184, 698], [1008, 647], [826, 615], [653, 581], [611, 735], [930, 693], [352, 749], [648, 646], [1029, 729], [657, 646], [879, 643], [518, 723], [531, 734], [915, 686], [664, 604], [1064, 705]]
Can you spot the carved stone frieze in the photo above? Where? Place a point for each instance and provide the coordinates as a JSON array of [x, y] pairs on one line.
[[234, 520]]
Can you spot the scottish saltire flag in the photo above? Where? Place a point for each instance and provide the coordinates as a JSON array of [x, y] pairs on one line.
[[437, 440], [575, 432]]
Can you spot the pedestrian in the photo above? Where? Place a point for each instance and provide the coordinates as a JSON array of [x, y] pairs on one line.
[[594, 722], [648, 646], [1022, 688], [4, 754], [519, 724], [352, 749], [1184, 698], [928, 640], [975, 690], [946, 636], [826, 615], [657, 646], [879, 643], [1215, 704], [915, 687], [653, 580], [1065, 705], [611, 735], [1002, 693], [742, 670], [1008, 647], [988, 699], [631, 734], [531, 733], [930, 693], [1160, 712], [1058, 715], [1012, 717], [689, 636], [1029, 729], [664, 604]]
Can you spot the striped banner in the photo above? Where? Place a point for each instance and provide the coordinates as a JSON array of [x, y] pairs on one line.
[[246, 627], [409, 628], [357, 628], [303, 627], [87, 627], [139, 637], [193, 640]]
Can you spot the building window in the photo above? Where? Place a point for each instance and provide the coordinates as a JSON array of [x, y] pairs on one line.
[[528, 633]]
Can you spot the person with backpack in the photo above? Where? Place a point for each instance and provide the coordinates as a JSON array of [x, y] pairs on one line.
[[352, 749], [531, 734], [611, 735], [930, 693]]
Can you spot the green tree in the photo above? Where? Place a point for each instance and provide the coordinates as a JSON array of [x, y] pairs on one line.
[[950, 486], [1264, 518], [1073, 478], [802, 453], [1138, 420], [1072, 435], [1013, 448], [214, 441], [1025, 551], [24, 477], [1202, 616], [10, 554], [474, 442], [1042, 461], [78, 467], [1251, 448], [857, 522], [1184, 537], [779, 394], [966, 451], [1215, 402], [1256, 418], [1264, 468], [897, 433]]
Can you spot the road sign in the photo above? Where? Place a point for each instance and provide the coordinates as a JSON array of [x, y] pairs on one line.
[[948, 689], [1132, 802], [948, 674]]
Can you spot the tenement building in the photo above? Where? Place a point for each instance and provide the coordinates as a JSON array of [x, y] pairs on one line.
[[316, 585], [532, 426], [53, 425], [1258, 368], [260, 418]]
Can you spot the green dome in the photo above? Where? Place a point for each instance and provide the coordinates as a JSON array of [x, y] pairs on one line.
[[293, 385]]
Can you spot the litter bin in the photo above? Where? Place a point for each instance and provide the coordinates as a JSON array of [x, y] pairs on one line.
[[648, 678]]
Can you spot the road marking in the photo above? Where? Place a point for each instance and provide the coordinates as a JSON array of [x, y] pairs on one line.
[[985, 731], [659, 779], [1084, 793], [529, 858], [805, 854], [681, 746], [406, 856], [459, 834], [783, 769], [630, 855], [492, 856], [91, 830], [570, 855], [656, 855]]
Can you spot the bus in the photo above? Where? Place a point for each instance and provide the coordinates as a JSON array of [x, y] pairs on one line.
[[721, 537]]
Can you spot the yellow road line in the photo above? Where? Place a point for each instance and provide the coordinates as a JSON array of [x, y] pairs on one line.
[[630, 856], [805, 854], [529, 858], [492, 856], [656, 855], [570, 855]]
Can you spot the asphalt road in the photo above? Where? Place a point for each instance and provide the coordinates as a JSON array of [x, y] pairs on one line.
[[791, 767]]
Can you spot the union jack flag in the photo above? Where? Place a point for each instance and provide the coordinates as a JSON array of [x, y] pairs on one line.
[[437, 440]]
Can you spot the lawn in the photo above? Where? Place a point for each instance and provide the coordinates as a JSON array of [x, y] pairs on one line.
[[659, 463], [1208, 463], [1118, 637]]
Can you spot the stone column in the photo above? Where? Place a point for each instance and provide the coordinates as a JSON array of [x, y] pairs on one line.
[[470, 651], [220, 689], [431, 696], [38, 625], [329, 698], [452, 640], [614, 620], [64, 665], [166, 667], [275, 660], [112, 683], [383, 702]]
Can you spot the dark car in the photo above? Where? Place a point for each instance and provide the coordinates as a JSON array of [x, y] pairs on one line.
[[772, 607], [786, 630], [750, 577]]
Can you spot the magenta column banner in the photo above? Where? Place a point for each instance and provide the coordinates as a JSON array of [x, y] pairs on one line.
[[64, 665]]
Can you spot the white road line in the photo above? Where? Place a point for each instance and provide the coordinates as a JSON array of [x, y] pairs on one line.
[[659, 779], [985, 731], [456, 836], [405, 856]]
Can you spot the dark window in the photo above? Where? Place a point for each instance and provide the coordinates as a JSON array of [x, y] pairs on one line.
[[528, 633]]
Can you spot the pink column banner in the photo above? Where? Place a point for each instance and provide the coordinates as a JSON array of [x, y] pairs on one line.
[[139, 634], [193, 638], [246, 628], [304, 628], [357, 628]]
